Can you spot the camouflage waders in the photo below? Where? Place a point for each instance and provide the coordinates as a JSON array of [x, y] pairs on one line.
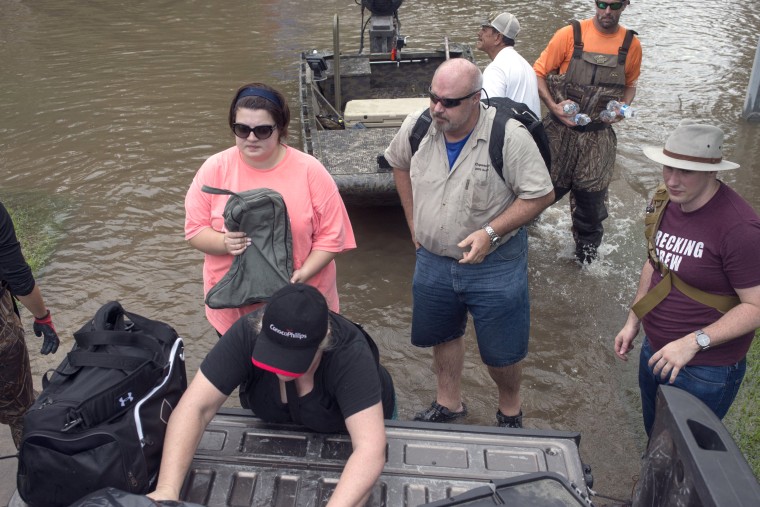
[[583, 158], [582, 164], [16, 392]]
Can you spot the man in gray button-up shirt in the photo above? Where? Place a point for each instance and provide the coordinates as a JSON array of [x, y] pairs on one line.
[[467, 224]]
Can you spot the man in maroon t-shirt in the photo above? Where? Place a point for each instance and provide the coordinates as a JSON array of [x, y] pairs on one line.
[[708, 238]]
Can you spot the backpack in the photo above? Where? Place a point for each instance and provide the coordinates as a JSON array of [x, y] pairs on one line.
[[101, 417], [267, 264], [506, 109]]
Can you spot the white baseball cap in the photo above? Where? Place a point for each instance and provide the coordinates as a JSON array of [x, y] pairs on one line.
[[504, 23]]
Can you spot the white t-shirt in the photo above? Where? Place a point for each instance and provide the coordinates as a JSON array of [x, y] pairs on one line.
[[510, 75]]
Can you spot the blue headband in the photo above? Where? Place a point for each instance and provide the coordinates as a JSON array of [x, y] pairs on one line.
[[258, 92]]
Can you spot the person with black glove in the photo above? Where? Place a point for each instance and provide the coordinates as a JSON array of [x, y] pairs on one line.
[[17, 283]]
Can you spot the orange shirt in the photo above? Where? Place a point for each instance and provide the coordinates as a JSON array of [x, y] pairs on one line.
[[559, 51]]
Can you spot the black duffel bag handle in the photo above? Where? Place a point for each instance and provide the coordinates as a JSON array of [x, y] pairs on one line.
[[117, 398], [144, 348]]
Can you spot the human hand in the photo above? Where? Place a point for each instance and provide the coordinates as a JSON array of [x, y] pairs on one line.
[[236, 242], [163, 493], [44, 327], [567, 118], [479, 243], [297, 277], [669, 360], [609, 118], [624, 341]]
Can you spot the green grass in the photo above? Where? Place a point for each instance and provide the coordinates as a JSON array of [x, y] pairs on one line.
[[743, 420], [36, 228]]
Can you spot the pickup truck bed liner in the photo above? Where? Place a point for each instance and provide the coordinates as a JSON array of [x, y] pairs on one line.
[[242, 461]]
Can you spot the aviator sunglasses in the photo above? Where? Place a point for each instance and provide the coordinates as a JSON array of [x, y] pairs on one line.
[[615, 6], [448, 103], [261, 132]]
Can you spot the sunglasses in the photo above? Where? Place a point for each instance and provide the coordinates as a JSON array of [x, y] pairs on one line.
[[615, 6], [449, 103], [260, 131]]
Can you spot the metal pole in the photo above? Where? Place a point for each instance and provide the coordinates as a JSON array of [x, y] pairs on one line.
[[446, 45], [752, 101], [336, 64]]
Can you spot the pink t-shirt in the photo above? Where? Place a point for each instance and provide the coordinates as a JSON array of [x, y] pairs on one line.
[[318, 217]]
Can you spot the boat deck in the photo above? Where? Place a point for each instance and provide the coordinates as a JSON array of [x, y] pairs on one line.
[[351, 158]]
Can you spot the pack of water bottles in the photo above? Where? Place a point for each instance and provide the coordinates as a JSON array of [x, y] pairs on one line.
[[613, 110]]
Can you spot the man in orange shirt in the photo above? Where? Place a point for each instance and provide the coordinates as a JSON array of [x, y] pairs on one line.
[[588, 62]]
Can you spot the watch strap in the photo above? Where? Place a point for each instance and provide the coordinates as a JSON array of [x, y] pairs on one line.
[[491, 233]]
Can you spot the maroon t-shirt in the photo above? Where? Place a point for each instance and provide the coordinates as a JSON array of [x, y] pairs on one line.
[[716, 249]]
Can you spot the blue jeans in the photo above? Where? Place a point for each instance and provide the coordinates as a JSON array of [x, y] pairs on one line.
[[494, 292], [716, 386]]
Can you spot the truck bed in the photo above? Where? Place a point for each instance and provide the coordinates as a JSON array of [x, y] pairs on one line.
[[243, 461]]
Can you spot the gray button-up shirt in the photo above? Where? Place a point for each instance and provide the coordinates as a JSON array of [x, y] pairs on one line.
[[451, 204]]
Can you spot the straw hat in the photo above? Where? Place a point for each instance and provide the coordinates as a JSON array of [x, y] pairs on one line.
[[692, 146]]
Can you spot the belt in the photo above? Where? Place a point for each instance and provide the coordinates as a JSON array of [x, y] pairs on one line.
[[594, 126]]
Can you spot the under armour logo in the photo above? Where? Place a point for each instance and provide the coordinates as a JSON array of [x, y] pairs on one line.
[[128, 398]]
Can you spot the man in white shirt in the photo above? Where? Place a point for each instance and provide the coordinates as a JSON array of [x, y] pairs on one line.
[[509, 74]]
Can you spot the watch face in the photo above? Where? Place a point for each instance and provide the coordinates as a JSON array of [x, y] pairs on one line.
[[703, 340]]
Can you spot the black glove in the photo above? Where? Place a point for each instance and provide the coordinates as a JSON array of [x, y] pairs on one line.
[[44, 326]]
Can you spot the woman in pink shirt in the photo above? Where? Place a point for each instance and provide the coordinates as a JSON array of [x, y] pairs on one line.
[[259, 118]]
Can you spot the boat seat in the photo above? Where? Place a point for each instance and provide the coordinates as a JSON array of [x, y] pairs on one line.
[[382, 112]]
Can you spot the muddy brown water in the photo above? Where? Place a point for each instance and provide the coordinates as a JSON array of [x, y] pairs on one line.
[[108, 109]]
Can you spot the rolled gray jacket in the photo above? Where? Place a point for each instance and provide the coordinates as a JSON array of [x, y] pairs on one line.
[[267, 264]]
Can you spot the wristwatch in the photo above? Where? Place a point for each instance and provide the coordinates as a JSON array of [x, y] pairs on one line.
[[703, 340], [491, 234]]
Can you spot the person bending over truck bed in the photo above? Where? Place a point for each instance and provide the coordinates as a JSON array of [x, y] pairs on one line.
[[295, 361]]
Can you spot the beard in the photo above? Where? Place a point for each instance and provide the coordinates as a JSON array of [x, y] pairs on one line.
[[606, 21]]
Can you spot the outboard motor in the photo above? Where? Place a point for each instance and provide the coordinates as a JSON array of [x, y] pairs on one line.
[[384, 25]]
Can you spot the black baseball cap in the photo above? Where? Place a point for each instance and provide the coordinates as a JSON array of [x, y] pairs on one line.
[[293, 326]]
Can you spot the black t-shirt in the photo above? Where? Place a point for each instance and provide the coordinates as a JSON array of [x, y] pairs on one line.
[[13, 267], [348, 379]]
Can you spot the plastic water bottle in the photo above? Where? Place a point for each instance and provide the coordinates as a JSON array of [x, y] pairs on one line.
[[571, 108], [623, 110], [607, 116], [582, 119]]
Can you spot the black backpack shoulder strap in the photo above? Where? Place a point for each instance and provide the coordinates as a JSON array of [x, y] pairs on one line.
[[496, 140], [420, 130], [577, 39], [623, 51]]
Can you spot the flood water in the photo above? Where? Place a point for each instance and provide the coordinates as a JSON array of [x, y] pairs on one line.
[[108, 108]]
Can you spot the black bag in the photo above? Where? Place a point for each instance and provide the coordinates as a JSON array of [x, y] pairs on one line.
[[101, 418], [112, 497]]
